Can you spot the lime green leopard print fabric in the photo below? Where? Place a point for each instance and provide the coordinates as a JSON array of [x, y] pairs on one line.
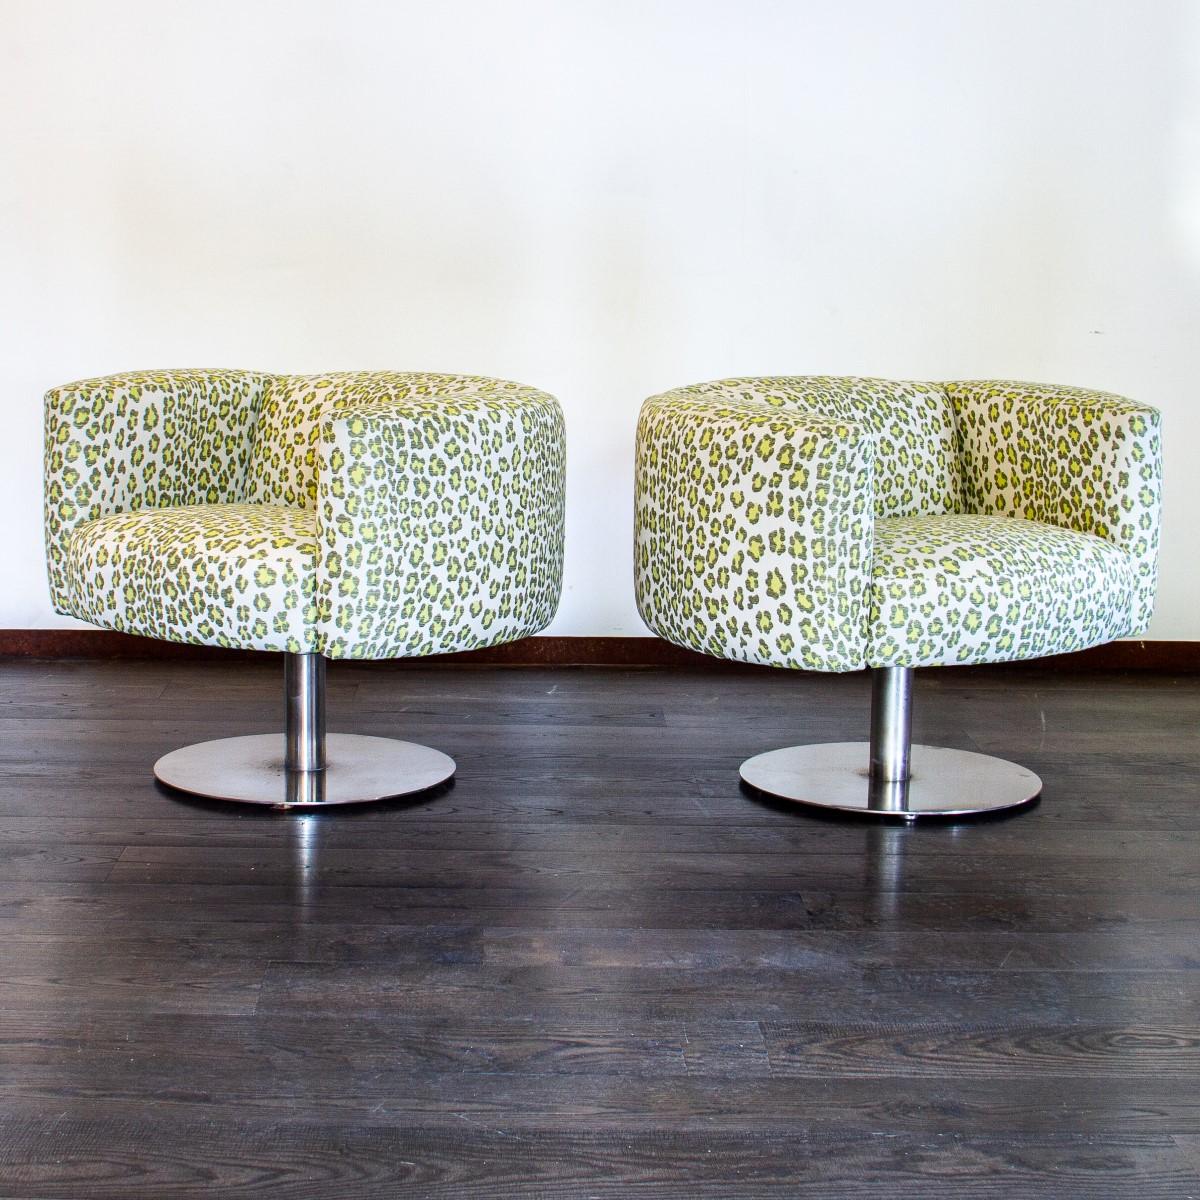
[[151, 439], [358, 515], [753, 529], [969, 589], [832, 524], [1088, 461], [239, 575], [440, 506]]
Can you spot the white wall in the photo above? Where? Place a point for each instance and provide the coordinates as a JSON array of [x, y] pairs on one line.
[[604, 198]]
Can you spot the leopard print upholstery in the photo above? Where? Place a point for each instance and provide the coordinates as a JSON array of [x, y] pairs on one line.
[[357, 515], [753, 529], [440, 506], [239, 575], [832, 524], [151, 439], [975, 589], [1088, 461]]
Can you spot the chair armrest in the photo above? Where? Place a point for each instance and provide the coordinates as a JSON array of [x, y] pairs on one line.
[[440, 518], [753, 529], [1082, 460], [148, 439]]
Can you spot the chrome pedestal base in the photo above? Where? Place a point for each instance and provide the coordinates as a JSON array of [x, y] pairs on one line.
[[943, 783], [251, 769]]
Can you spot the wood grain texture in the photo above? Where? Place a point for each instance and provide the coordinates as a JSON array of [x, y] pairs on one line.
[[477, 1160], [593, 966]]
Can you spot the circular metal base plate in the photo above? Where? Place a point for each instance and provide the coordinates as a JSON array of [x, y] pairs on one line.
[[944, 783], [250, 769]]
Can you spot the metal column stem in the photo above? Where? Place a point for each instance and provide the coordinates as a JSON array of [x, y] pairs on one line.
[[304, 729], [891, 724]]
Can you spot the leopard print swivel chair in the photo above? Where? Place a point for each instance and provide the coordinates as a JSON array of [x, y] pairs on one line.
[[362, 516], [831, 524]]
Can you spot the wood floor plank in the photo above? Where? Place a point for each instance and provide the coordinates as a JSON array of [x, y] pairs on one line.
[[524, 944], [1189, 1147], [898, 1106], [304, 903], [422, 832], [937, 1051], [84, 982], [1025, 875], [884, 994], [36, 861], [237, 1046], [483, 1160]]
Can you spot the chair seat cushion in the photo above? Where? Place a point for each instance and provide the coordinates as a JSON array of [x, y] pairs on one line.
[[214, 574], [979, 589]]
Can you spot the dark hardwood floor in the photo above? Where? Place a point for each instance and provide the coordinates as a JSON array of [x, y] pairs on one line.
[[594, 967]]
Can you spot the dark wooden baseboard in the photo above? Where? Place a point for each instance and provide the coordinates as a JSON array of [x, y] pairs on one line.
[[1180, 657]]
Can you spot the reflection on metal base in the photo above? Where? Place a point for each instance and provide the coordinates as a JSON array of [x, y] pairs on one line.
[[943, 783], [250, 769]]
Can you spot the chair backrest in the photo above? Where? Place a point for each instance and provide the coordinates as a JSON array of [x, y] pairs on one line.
[[284, 449], [917, 471]]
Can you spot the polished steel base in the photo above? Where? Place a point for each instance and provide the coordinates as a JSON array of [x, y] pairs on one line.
[[251, 769], [943, 783]]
